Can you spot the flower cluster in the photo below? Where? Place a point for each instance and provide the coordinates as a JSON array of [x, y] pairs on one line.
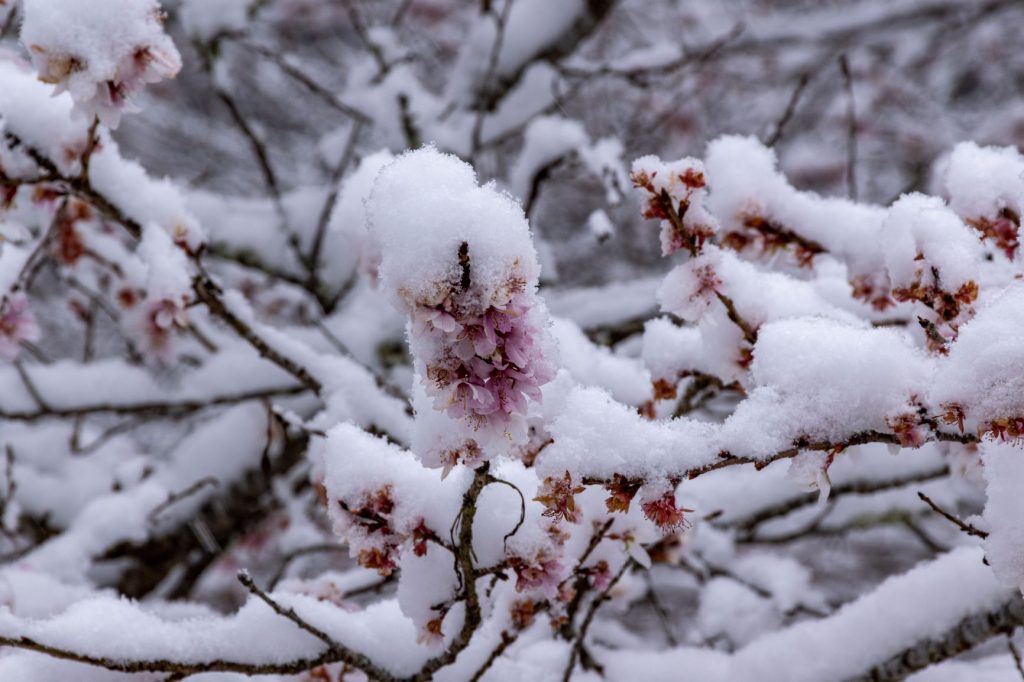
[[674, 193], [1002, 230], [544, 574], [17, 324], [1004, 429], [101, 56], [908, 428], [370, 535], [483, 363], [926, 289], [873, 289], [769, 238], [558, 497]]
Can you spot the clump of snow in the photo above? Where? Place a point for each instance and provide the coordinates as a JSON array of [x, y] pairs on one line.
[[983, 376], [625, 378], [826, 381], [596, 436], [982, 181], [349, 221], [931, 256], [670, 350], [101, 53], [760, 211], [547, 139], [600, 225], [985, 186]]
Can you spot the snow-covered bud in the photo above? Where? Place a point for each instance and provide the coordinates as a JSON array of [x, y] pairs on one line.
[[458, 259], [101, 53], [985, 186], [932, 257]]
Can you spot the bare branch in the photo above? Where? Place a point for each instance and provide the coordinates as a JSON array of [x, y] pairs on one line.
[[965, 527]]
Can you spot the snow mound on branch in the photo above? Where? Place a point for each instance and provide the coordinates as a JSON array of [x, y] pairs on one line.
[[826, 381], [596, 436], [745, 182]]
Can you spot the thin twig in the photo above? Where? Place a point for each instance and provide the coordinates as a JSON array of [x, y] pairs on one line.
[[799, 445], [492, 67], [794, 99], [208, 292], [174, 498], [332, 199], [965, 527], [259, 150], [1015, 653], [92, 140], [288, 612], [660, 611], [589, 618], [11, 22], [301, 552], [522, 507], [751, 522], [151, 409]]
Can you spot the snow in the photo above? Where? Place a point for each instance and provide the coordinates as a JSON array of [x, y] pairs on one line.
[[826, 381], [847, 643], [547, 139], [207, 19], [101, 53], [981, 181], [532, 27], [670, 350], [784, 324], [595, 436], [745, 181], [983, 371], [625, 378], [1003, 520], [921, 231], [427, 193]]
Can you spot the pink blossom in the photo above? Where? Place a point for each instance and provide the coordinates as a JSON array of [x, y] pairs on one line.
[[156, 322], [545, 575], [484, 366], [17, 324]]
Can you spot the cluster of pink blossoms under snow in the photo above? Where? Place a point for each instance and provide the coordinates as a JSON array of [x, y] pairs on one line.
[[483, 363], [458, 258], [101, 54]]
